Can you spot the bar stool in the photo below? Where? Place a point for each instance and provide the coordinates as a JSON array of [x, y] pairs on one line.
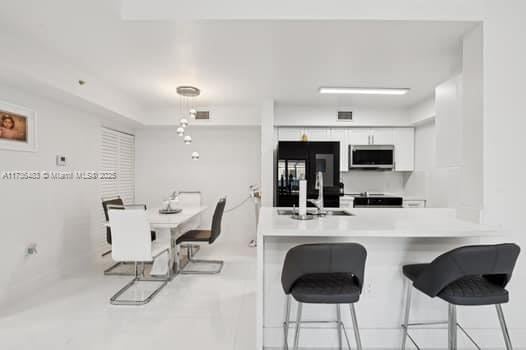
[[323, 274], [471, 275]]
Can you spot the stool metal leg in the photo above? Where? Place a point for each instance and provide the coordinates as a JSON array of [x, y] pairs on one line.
[[298, 325], [505, 332], [406, 314], [452, 327], [355, 327], [286, 324], [340, 325]]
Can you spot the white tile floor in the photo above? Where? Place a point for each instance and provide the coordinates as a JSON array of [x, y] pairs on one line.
[[191, 312]]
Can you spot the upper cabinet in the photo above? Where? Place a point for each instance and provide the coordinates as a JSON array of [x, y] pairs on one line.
[[359, 136], [290, 134], [383, 136], [377, 136], [318, 134], [402, 138]]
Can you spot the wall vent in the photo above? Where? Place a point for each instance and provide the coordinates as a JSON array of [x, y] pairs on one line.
[[202, 115], [345, 115]]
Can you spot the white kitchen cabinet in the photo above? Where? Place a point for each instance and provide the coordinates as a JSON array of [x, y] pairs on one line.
[[414, 203], [359, 136], [382, 136], [318, 134], [404, 141], [402, 138], [377, 136], [290, 134], [341, 136]]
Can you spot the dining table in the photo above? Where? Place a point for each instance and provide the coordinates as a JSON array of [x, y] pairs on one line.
[[168, 228]]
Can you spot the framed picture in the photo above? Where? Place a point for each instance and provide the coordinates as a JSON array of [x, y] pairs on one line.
[[17, 128]]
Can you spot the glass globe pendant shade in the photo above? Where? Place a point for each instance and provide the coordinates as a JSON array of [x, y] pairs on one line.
[[183, 122], [180, 131], [188, 139], [193, 113], [195, 155]]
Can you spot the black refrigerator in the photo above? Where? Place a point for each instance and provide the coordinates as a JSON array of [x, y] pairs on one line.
[[298, 160]]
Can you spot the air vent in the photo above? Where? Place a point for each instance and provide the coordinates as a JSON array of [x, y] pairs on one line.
[[202, 115], [345, 115]]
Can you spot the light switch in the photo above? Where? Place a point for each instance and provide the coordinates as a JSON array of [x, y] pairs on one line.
[[61, 160]]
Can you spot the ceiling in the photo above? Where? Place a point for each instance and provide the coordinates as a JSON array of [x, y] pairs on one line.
[[238, 61]]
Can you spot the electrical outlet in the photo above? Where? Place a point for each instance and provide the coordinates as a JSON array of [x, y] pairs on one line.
[[368, 288]]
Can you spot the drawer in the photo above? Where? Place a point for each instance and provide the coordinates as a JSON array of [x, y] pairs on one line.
[[416, 203]]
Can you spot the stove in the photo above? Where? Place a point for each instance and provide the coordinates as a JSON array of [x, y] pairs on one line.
[[377, 200]]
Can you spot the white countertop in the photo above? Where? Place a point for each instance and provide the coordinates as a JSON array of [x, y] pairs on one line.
[[374, 222], [404, 197]]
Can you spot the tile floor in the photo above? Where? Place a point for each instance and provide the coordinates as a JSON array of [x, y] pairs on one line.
[[192, 312]]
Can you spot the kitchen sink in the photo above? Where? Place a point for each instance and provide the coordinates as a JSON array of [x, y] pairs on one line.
[[314, 212], [339, 213]]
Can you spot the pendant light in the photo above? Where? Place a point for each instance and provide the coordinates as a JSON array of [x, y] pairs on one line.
[[187, 92]]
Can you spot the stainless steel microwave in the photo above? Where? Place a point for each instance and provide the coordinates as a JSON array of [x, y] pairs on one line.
[[381, 157]]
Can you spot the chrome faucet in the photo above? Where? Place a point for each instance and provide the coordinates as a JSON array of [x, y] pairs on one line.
[[318, 203]]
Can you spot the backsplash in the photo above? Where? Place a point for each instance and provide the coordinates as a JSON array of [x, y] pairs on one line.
[[373, 181]]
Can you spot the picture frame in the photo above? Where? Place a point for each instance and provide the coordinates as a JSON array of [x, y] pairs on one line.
[[18, 128]]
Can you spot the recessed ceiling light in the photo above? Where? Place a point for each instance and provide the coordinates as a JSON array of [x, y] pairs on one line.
[[363, 91]]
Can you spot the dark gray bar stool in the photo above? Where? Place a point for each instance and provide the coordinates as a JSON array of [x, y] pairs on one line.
[[472, 275], [324, 274]]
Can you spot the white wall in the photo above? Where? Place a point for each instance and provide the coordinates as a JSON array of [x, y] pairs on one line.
[[422, 111], [293, 115], [230, 162], [357, 181], [62, 217], [471, 174], [436, 185]]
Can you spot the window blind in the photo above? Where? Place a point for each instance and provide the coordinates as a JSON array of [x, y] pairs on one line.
[[117, 155]]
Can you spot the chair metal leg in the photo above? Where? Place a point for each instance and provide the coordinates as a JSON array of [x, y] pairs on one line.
[[298, 326], [340, 325], [406, 314], [190, 258], [355, 327], [452, 327], [286, 323], [114, 300], [504, 327]]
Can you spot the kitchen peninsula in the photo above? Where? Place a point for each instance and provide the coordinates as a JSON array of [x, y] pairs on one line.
[[392, 237]]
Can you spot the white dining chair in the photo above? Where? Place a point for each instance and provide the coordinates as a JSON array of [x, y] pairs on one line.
[[131, 242]]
